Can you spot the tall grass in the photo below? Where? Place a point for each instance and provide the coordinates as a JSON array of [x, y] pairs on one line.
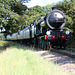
[[17, 60], [5, 44]]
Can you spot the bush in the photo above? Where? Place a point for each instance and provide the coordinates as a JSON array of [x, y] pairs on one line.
[[5, 44]]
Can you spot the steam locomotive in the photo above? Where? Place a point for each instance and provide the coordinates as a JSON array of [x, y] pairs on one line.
[[45, 32]]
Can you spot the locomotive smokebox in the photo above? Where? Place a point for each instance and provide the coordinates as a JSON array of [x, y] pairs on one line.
[[56, 19]]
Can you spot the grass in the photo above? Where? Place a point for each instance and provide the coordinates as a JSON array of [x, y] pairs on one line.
[[5, 44], [17, 60]]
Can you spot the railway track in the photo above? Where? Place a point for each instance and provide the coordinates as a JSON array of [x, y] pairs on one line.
[[62, 61], [68, 52], [64, 58]]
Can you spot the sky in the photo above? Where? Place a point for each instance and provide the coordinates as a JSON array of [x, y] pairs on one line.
[[41, 2]]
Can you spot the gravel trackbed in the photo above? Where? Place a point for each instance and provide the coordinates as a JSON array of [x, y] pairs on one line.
[[61, 60]]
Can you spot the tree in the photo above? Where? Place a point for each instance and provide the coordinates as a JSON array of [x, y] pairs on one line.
[[10, 10], [18, 8], [47, 8], [24, 1]]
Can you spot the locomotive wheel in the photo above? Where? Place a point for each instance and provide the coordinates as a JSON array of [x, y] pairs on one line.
[[60, 46], [52, 46], [64, 45], [39, 43], [34, 42], [45, 44], [42, 44]]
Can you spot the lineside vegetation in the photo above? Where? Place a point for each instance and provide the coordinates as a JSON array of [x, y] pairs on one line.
[[18, 60], [5, 44]]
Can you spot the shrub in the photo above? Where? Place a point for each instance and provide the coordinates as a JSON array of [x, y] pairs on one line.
[[5, 44]]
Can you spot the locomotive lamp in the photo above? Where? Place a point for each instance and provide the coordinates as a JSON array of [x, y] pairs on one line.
[[68, 35], [67, 32], [48, 32]]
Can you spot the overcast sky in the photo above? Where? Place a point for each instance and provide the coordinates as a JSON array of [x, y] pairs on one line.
[[41, 2]]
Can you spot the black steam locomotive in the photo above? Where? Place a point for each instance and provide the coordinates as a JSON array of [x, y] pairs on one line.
[[45, 32]]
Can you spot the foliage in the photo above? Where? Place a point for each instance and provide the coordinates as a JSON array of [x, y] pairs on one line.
[[30, 15], [10, 10], [47, 8], [5, 44], [18, 8], [24, 1], [2, 37], [36, 9], [14, 16]]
